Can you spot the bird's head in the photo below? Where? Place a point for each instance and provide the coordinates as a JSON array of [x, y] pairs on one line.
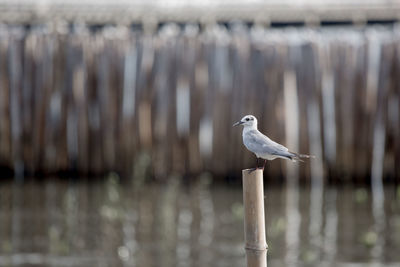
[[247, 121]]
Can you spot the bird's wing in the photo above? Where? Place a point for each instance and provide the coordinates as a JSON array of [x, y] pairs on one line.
[[261, 144]]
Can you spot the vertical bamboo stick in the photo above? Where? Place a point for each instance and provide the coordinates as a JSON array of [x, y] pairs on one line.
[[254, 220]]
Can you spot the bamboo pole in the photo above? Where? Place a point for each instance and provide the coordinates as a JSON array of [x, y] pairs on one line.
[[254, 219]]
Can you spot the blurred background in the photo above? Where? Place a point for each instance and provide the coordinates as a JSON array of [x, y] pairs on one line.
[[116, 138]]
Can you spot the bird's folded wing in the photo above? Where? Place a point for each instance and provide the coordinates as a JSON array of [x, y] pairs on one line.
[[259, 143]]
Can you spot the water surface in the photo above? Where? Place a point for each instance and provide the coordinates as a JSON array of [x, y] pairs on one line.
[[64, 223]]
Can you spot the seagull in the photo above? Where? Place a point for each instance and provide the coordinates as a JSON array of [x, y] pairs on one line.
[[262, 146]]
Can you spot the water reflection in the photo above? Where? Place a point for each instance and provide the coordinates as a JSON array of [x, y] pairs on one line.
[[62, 223]]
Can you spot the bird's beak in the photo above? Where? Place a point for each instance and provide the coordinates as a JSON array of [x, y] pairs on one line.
[[237, 123]]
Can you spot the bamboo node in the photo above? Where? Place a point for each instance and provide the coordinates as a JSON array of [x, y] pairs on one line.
[[255, 247]]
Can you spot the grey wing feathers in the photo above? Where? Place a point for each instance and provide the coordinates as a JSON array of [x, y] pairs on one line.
[[254, 143], [259, 143]]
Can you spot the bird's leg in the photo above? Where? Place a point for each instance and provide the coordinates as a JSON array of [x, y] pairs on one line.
[[265, 162], [253, 169]]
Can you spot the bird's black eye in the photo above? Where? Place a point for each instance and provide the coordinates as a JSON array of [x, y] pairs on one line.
[[247, 119]]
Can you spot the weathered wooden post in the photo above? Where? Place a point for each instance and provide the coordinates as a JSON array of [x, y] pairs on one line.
[[254, 219]]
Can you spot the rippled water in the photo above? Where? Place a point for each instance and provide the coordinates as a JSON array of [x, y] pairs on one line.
[[64, 223]]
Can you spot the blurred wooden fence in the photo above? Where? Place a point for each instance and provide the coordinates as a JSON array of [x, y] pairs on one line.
[[116, 99]]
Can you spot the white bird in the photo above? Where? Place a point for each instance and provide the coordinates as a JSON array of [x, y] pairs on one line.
[[261, 145]]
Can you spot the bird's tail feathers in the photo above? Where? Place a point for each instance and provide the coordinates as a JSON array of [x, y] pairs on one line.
[[299, 157]]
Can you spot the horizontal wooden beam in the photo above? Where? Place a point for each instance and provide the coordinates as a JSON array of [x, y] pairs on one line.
[[126, 12]]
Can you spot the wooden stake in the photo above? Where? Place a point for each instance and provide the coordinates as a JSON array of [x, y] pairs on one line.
[[254, 219]]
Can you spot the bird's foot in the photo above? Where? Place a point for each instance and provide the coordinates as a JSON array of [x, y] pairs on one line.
[[257, 168], [252, 170]]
